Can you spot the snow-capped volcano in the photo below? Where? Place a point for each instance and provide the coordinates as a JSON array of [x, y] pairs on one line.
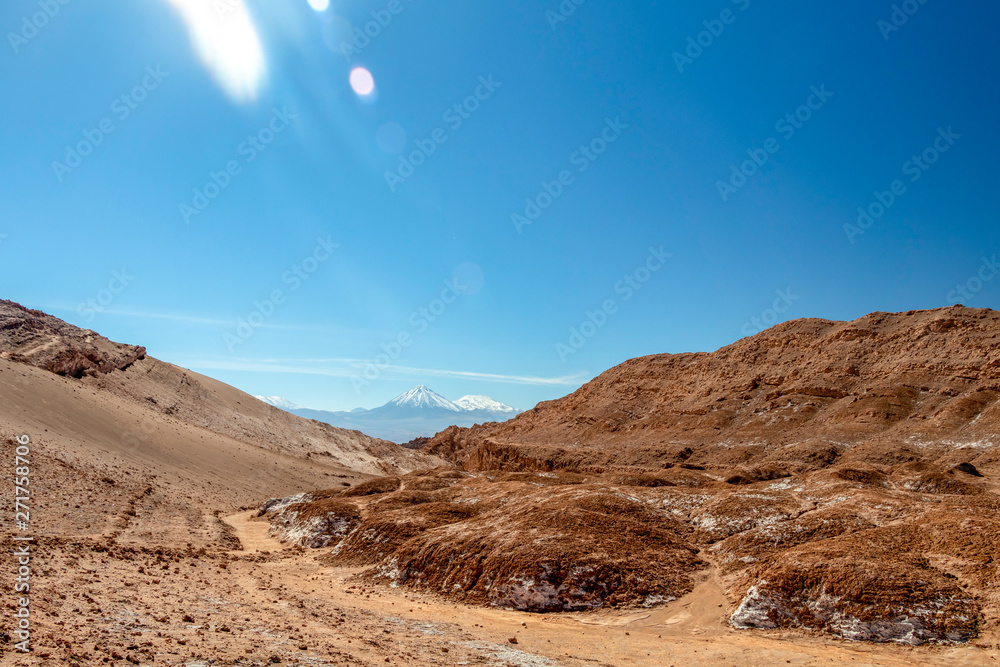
[[486, 404], [427, 400], [422, 397], [278, 402], [417, 412]]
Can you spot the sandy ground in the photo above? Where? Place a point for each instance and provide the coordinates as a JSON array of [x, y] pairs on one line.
[[688, 631], [251, 534], [146, 552], [268, 604], [130, 568]]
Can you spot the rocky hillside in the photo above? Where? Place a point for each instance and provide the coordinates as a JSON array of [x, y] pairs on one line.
[[832, 476], [799, 393], [904, 554], [152, 392], [35, 338]]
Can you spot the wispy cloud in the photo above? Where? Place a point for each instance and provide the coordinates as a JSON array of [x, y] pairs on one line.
[[345, 367], [173, 317], [249, 366], [176, 317], [515, 379], [336, 367]]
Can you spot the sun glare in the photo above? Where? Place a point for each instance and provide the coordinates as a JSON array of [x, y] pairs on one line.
[[225, 39], [319, 5]]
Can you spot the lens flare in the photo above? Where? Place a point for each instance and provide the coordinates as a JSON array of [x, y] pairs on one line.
[[319, 5], [362, 81]]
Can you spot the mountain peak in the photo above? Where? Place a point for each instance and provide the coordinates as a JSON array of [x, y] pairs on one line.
[[473, 402], [279, 402], [420, 411], [423, 397]]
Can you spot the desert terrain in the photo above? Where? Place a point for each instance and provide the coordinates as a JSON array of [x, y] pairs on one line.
[[821, 493]]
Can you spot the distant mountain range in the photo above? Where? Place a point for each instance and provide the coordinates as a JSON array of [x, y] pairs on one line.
[[420, 412]]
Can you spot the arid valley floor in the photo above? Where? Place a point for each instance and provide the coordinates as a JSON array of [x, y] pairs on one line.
[[821, 480]]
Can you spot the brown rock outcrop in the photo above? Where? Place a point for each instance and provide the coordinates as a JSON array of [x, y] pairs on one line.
[[839, 476], [801, 394], [35, 338]]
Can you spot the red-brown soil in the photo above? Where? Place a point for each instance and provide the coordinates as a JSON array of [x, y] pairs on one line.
[[878, 556], [840, 476], [146, 478], [883, 389]]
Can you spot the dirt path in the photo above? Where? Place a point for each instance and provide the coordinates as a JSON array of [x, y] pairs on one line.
[[288, 608], [703, 611], [689, 631], [251, 533]]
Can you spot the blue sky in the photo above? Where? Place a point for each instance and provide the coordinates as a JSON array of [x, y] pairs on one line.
[[611, 119]]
